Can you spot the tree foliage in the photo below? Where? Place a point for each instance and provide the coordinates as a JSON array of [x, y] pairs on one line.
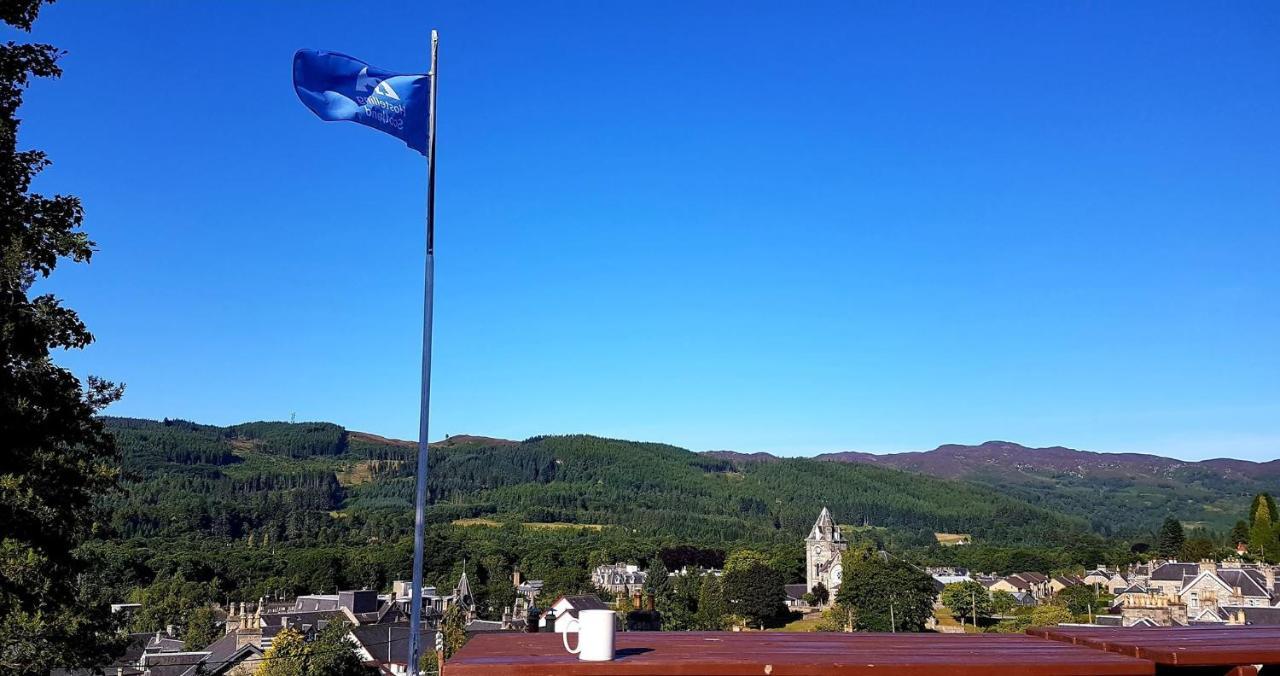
[[1264, 528], [57, 457], [331, 653], [883, 593], [200, 628], [1171, 538], [753, 589], [967, 600]]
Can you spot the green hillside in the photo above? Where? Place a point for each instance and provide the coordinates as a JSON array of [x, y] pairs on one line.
[[294, 481]]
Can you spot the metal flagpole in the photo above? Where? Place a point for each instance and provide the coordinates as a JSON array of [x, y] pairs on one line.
[[420, 503]]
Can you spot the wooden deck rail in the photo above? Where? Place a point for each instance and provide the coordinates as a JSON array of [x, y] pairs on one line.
[[792, 654], [1202, 650]]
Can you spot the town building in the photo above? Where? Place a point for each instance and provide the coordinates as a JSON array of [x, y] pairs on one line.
[[621, 579]]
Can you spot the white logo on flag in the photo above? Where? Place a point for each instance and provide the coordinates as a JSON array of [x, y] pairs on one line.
[[380, 87], [386, 90]]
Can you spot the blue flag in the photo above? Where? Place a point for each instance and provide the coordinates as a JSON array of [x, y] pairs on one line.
[[338, 87]]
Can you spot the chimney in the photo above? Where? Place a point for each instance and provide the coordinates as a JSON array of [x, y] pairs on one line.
[[515, 577], [170, 630], [1208, 566], [1269, 574]]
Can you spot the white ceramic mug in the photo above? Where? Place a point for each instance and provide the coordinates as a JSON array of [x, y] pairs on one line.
[[595, 635]]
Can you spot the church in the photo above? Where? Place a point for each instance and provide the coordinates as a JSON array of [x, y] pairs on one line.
[[823, 549]]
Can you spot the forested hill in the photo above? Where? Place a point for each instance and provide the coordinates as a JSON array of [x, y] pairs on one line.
[[1144, 489], [284, 481]]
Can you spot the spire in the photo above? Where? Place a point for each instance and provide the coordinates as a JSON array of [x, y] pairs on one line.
[[462, 592], [825, 528]]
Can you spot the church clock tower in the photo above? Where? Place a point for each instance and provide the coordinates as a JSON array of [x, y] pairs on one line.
[[823, 549]]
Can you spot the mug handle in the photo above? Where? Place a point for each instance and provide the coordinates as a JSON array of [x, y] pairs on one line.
[[564, 635]]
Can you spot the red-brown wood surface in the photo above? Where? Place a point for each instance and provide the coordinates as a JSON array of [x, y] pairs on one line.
[[1177, 646], [791, 654]]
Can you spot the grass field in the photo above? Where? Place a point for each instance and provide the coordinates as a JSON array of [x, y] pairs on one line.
[[953, 538], [529, 524]]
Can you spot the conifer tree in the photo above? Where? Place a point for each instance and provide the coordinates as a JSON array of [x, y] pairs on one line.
[[57, 459], [1171, 539]]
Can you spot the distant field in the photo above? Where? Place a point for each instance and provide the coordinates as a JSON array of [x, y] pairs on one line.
[[356, 474], [530, 524], [953, 538]]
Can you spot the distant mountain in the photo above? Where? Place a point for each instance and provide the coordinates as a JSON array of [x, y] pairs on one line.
[[1113, 490]]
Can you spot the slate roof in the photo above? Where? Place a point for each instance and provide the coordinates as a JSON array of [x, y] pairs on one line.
[[162, 643], [475, 626], [1250, 582], [1135, 588], [1175, 572], [389, 643], [796, 591], [170, 664], [303, 617], [223, 655], [1267, 616], [584, 602], [1107, 620]]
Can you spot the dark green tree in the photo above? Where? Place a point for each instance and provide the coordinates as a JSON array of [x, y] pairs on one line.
[[1002, 602], [884, 593], [1263, 542], [1239, 533], [1198, 547], [1079, 599], [967, 600], [1169, 543], [200, 629], [753, 588], [170, 601], [821, 594], [712, 607], [56, 457], [332, 653]]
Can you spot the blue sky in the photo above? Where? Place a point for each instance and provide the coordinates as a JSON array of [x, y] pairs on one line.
[[754, 226]]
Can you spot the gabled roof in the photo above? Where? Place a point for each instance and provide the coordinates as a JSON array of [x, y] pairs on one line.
[[1135, 588], [1174, 571], [1261, 616], [388, 643], [1213, 615], [1250, 582], [223, 656], [162, 643], [582, 602], [302, 617], [1017, 582]]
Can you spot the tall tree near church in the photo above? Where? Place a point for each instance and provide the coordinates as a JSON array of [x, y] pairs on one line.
[[56, 457], [1263, 541], [1169, 544]]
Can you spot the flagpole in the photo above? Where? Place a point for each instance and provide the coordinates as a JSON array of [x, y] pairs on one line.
[[420, 502]]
